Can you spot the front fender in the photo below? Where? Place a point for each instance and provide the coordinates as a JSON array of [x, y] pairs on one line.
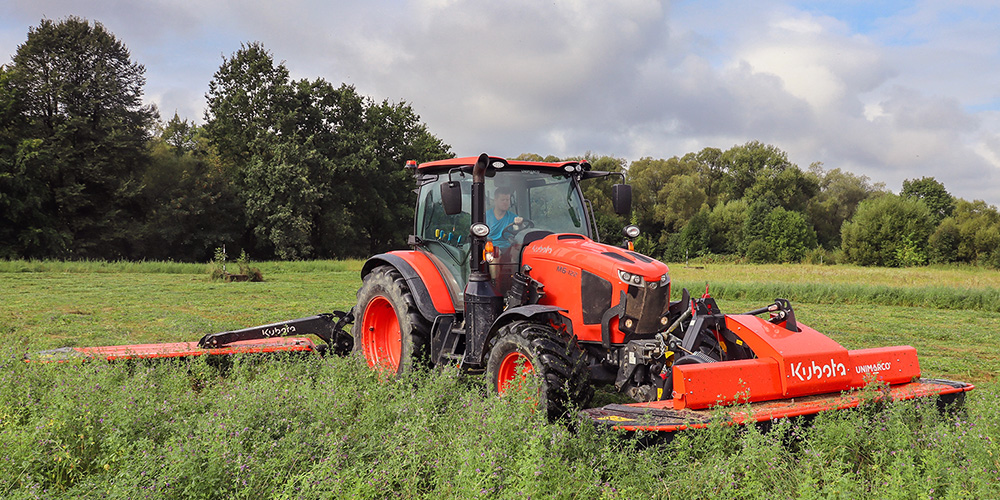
[[529, 312]]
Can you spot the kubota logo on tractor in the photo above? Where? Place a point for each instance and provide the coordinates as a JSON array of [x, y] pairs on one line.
[[833, 369]]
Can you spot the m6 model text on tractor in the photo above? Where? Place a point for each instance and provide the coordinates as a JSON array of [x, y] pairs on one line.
[[523, 288]]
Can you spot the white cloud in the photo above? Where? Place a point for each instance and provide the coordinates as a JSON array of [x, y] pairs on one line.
[[914, 95]]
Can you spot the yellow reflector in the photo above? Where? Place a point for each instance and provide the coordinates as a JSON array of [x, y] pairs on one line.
[[616, 418]]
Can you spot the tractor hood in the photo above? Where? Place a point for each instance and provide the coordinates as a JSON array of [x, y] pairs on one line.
[[603, 260], [614, 294]]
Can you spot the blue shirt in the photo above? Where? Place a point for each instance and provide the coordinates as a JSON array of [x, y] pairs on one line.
[[497, 226]]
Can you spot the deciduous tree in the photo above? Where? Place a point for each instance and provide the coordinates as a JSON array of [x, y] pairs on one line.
[[78, 147], [320, 168], [934, 195], [839, 194], [888, 230]]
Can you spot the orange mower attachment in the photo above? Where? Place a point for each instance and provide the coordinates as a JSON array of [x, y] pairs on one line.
[[786, 369]]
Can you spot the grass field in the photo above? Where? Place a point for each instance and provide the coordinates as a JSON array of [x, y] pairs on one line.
[[322, 428]]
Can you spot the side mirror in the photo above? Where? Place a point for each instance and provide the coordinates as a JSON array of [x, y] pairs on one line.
[[451, 197], [621, 198]]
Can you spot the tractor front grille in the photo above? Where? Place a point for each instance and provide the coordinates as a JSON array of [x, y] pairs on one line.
[[644, 306]]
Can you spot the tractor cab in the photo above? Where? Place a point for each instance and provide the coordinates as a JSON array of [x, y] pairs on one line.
[[524, 201]]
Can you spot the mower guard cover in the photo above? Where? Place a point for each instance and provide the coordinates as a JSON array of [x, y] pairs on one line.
[[795, 373]]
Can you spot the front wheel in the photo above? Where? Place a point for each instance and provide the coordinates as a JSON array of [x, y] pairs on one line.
[[388, 329], [525, 350]]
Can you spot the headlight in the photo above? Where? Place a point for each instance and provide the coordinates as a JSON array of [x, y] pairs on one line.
[[480, 230], [630, 278], [631, 231]]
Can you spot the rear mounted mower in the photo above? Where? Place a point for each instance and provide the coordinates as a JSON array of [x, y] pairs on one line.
[[506, 275]]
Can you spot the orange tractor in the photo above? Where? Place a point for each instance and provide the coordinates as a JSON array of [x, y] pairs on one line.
[[506, 276]]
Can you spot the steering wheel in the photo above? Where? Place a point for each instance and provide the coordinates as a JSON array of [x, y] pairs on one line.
[[511, 230]]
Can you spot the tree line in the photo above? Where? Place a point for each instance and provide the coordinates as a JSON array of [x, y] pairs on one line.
[[294, 169], [283, 168], [751, 203]]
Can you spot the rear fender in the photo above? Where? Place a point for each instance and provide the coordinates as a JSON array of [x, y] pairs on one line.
[[425, 281]]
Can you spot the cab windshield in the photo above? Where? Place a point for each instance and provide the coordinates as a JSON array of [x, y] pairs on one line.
[[548, 200]]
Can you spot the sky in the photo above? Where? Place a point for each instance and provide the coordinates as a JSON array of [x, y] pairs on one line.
[[891, 90]]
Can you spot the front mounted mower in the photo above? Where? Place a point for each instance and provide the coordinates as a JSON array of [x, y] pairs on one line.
[[543, 297]]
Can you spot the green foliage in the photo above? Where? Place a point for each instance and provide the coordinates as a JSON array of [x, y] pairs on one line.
[[695, 237], [191, 203], [971, 235], [755, 227], [822, 256], [943, 244], [889, 231], [78, 132], [754, 163], [246, 267], [649, 179], [790, 188], [679, 200], [839, 195], [711, 167], [726, 226], [245, 270], [310, 427], [786, 237], [934, 195], [319, 168], [909, 253], [292, 427], [790, 235]]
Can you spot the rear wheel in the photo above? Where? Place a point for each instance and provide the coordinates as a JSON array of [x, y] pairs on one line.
[[525, 350], [388, 329]]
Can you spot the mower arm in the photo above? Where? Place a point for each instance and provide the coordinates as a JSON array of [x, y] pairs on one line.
[[327, 326]]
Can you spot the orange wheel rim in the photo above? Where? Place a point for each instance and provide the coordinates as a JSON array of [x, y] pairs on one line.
[[382, 339], [514, 367]]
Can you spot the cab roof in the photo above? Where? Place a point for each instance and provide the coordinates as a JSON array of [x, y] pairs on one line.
[[469, 161]]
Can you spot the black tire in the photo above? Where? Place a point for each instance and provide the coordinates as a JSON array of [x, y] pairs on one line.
[[556, 360], [388, 329]]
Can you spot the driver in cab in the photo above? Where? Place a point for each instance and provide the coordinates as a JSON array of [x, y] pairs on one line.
[[500, 217]]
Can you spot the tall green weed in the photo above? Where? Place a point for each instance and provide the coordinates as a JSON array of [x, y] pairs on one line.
[[310, 427]]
